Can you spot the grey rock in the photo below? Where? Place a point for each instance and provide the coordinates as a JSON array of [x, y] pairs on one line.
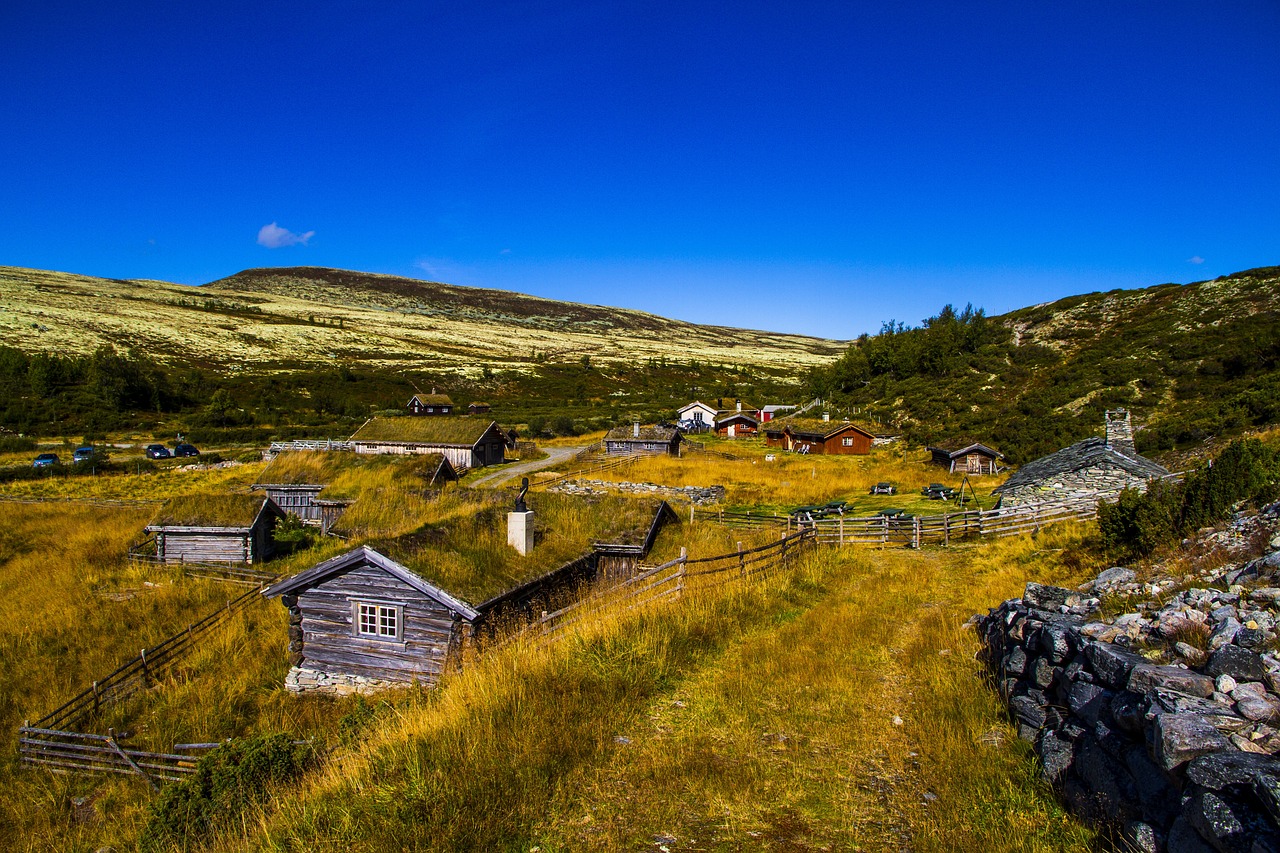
[[1216, 822], [1178, 738], [1027, 711], [1128, 711], [1146, 677], [1015, 663], [1220, 769], [1240, 664], [1114, 576], [1259, 708], [1142, 837], [1224, 632], [1111, 665], [1087, 701], [1250, 638], [1055, 641], [1160, 800], [1184, 839], [1056, 756], [1250, 689], [1042, 672], [1050, 598], [1112, 793], [1224, 683]]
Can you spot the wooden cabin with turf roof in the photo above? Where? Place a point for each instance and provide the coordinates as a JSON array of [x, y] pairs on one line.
[[213, 528], [401, 610], [637, 439], [465, 442], [963, 456], [818, 436], [430, 404]]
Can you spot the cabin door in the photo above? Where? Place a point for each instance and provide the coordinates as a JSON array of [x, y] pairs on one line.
[[973, 464]]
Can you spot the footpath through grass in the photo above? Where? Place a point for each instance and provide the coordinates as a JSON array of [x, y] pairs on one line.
[[835, 708]]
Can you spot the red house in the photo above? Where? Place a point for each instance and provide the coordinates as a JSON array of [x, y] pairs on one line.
[[810, 435]]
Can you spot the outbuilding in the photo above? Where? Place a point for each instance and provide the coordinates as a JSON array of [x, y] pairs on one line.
[[966, 457], [430, 404], [737, 425], [811, 435], [212, 528], [465, 442], [651, 439]]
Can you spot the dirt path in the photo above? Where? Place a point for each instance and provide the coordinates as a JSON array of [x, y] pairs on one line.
[[555, 455]]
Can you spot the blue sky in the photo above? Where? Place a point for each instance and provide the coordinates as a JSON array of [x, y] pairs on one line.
[[806, 167]]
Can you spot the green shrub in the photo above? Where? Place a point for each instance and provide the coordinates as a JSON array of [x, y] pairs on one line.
[[1136, 524], [226, 780]]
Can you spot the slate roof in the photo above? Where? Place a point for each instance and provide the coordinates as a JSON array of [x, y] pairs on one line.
[[647, 433], [1079, 456], [452, 432]]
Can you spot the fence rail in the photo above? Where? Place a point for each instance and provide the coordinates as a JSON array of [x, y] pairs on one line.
[[78, 752], [922, 529], [136, 673], [310, 444]]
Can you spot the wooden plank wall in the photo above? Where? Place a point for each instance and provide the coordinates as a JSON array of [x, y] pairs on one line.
[[204, 548], [330, 644]]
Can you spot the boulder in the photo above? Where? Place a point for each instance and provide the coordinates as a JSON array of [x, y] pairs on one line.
[[1111, 665], [1240, 664], [1146, 677], [1178, 738], [1051, 598]]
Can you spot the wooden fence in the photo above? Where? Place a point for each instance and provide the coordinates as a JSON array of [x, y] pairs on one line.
[[669, 580], [310, 444], [144, 552], [89, 753], [607, 463], [883, 530]]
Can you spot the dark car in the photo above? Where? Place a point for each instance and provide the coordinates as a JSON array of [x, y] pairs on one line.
[[883, 489], [83, 454], [186, 450], [45, 460], [158, 451]]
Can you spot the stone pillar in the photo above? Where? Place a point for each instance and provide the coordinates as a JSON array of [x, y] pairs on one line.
[[1120, 431], [520, 531]]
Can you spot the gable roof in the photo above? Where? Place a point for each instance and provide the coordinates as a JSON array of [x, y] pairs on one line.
[[956, 449], [813, 426], [449, 432], [697, 404], [431, 400], [1079, 456], [652, 432], [364, 555], [210, 510], [737, 416]]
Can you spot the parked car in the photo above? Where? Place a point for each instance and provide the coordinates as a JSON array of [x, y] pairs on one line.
[[884, 489], [45, 460], [185, 450], [83, 454], [158, 451]]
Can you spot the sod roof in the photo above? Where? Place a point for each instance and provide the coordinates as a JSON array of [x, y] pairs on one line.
[[647, 433], [210, 510], [432, 399], [813, 426], [451, 431]]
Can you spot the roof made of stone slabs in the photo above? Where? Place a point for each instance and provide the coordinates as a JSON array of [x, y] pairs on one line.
[[1079, 456]]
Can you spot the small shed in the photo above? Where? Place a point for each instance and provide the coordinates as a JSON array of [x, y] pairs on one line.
[[772, 411], [478, 409], [466, 443], [216, 529], [430, 404], [296, 498], [811, 435], [651, 439], [737, 425], [966, 457], [1085, 469]]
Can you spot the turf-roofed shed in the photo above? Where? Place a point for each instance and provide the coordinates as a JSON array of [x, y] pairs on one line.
[[215, 528], [465, 442], [402, 610]]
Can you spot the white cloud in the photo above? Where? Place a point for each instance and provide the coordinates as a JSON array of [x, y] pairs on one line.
[[1195, 259], [274, 237]]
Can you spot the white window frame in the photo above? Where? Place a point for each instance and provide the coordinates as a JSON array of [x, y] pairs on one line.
[[384, 614], [847, 441]]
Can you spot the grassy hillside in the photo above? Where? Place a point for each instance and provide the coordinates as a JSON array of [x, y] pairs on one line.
[[1191, 361], [289, 352]]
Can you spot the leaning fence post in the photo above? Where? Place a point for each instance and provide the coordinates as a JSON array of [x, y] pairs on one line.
[[145, 672], [742, 566], [680, 572], [96, 697]]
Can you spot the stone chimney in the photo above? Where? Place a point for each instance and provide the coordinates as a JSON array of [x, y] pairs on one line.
[[1120, 431], [635, 430]]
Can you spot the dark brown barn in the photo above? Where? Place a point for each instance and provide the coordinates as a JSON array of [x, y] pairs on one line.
[[811, 435], [966, 457]]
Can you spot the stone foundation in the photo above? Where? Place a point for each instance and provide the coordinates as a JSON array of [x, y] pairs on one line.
[[698, 495], [303, 680]]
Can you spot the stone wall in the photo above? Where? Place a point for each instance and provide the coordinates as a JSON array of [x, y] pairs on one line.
[[1160, 723], [698, 495], [304, 680]]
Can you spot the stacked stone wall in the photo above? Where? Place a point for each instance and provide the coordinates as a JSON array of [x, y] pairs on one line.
[[1160, 723], [698, 495], [1074, 484]]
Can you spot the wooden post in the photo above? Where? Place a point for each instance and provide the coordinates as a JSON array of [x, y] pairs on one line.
[[145, 672], [946, 529], [841, 545], [915, 531], [96, 697], [684, 561], [742, 566], [692, 509]]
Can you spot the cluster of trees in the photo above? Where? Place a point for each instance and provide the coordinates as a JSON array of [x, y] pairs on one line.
[[1139, 523]]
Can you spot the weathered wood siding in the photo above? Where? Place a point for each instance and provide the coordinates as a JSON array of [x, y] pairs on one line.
[[615, 447], [487, 452], [299, 500], [208, 548], [429, 633]]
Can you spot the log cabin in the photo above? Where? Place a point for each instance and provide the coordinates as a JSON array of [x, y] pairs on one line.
[[811, 435], [737, 425], [652, 439], [216, 529], [430, 404], [465, 442], [380, 615], [966, 457]]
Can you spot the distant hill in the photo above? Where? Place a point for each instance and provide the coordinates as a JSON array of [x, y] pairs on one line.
[[274, 318], [1190, 361]]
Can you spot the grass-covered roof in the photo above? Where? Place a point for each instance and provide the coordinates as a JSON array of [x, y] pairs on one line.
[[455, 431], [813, 426], [464, 550], [210, 510]]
